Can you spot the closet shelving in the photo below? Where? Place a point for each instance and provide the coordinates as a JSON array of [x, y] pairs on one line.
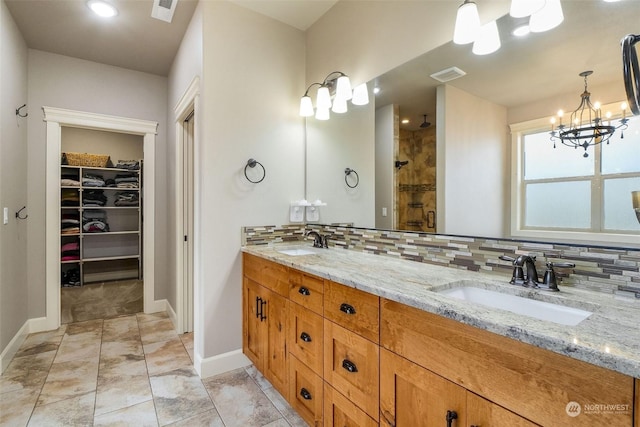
[[100, 232]]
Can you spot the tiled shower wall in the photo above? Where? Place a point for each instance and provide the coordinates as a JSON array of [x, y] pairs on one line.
[[602, 269]]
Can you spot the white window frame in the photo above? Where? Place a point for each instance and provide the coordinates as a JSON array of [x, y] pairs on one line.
[[518, 131]]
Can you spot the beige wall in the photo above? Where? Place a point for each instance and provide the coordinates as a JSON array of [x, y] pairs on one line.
[[64, 82], [13, 181], [253, 71], [473, 165], [118, 146], [365, 39], [386, 135]]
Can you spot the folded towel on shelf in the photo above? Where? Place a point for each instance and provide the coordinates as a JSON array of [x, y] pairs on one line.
[[92, 180], [73, 246], [95, 227], [70, 230], [127, 198], [66, 182], [94, 198], [128, 164], [94, 215]]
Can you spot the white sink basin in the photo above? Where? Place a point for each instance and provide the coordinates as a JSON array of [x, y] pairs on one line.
[[527, 307], [297, 252]]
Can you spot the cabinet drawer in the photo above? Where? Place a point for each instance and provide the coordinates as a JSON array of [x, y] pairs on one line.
[[340, 412], [305, 392], [305, 336], [356, 310], [351, 366], [532, 382], [306, 290], [269, 274]]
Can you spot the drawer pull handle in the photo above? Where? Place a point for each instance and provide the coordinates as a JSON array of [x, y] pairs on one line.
[[347, 308], [349, 365], [304, 291], [451, 415], [305, 337], [305, 394]]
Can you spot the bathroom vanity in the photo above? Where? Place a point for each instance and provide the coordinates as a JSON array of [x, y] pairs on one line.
[[353, 339]]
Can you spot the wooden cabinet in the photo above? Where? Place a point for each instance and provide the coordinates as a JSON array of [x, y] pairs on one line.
[[481, 412], [305, 392], [351, 366], [353, 309], [264, 333], [306, 290], [413, 396], [340, 411], [343, 357], [534, 383], [305, 338]]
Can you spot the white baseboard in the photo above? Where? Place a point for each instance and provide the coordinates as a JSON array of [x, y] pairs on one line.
[[157, 306], [221, 363], [14, 345], [172, 315]]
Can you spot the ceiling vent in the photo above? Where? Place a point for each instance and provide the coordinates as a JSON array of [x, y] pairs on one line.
[[448, 74], [163, 9]]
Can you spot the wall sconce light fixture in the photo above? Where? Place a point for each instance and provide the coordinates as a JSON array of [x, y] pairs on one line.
[[338, 85]]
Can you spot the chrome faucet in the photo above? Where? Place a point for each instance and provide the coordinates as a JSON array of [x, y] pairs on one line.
[[319, 241]]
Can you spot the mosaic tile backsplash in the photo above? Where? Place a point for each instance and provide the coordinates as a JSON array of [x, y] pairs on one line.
[[601, 269]]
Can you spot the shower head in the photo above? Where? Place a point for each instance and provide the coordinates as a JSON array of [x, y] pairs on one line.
[[425, 123], [400, 164]]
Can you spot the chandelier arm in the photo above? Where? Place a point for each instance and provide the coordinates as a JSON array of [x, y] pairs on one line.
[[327, 79], [306, 92]]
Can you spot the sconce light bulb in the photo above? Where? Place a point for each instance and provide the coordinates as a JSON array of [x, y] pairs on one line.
[[596, 105], [323, 99], [553, 120], [343, 88], [339, 105], [467, 23], [488, 40], [306, 106], [360, 95], [547, 18]]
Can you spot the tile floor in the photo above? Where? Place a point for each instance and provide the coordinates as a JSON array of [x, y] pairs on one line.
[[130, 371]]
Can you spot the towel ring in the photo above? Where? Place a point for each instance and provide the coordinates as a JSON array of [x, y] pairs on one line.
[[348, 172], [251, 163]]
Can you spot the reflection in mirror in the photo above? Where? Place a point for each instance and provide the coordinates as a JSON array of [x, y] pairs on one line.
[[467, 148]]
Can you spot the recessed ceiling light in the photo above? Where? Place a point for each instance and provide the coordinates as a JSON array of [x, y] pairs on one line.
[[376, 90], [102, 8], [521, 31], [405, 121]]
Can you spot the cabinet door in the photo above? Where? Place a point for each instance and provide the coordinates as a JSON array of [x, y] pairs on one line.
[[275, 360], [341, 412], [481, 412], [413, 396], [253, 341]]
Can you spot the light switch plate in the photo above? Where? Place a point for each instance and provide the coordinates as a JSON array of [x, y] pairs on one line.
[[5, 215], [296, 213]]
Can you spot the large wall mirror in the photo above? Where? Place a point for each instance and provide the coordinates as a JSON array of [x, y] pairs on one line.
[[455, 149]]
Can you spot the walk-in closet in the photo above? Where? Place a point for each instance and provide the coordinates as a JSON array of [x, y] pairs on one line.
[[101, 216]]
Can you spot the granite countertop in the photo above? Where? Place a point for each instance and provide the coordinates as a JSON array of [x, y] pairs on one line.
[[610, 337]]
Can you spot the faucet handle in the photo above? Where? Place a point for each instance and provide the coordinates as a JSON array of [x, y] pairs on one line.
[[550, 282], [507, 258]]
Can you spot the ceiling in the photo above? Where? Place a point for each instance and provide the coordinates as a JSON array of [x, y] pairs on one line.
[[133, 39], [524, 70]]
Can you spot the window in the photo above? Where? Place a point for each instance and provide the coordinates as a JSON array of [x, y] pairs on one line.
[[559, 193]]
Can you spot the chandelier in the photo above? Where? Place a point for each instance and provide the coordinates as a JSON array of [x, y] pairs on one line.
[[586, 127]]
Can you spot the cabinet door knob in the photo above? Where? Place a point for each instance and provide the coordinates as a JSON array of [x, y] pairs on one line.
[[347, 308], [305, 394], [349, 365], [305, 337], [304, 291], [451, 415]]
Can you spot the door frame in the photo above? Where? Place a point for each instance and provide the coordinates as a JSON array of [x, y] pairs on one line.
[[55, 119], [189, 102]]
